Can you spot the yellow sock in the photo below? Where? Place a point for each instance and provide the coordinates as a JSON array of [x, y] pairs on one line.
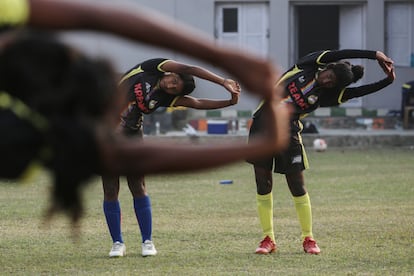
[[304, 212], [265, 210]]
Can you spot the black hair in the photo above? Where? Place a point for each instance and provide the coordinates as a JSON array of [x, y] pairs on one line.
[[71, 93], [345, 72], [54, 78], [189, 84], [358, 71]]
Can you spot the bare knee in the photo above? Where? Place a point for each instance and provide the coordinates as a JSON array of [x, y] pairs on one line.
[[136, 185], [111, 187], [264, 182], [296, 183]]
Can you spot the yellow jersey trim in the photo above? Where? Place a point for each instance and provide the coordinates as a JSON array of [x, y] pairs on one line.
[[304, 155], [318, 60], [161, 64], [292, 72], [173, 101], [14, 12], [138, 70], [340, 101], [406, 86], [132, 73]]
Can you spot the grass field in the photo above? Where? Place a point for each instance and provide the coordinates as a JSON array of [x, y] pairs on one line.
[[363, 209]]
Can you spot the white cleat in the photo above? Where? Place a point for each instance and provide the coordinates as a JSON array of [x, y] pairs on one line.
[[118, 250], [148, 249]]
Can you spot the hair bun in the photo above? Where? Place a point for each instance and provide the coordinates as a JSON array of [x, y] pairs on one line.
[[357, 71]]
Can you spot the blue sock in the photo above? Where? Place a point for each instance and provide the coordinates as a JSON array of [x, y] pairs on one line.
[[112, 211], [142, 207]]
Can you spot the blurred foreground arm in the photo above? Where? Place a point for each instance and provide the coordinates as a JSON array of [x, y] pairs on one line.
[[135, 22], [125, 156]]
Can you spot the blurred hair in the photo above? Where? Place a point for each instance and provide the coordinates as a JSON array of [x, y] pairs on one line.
[[54, 78], [72, 92]]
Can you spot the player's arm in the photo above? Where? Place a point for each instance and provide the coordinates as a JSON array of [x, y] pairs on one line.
[[132, 21], [355, 92], [191, 102], [332, 56], [336, 55], [197, 71], [129, 156]]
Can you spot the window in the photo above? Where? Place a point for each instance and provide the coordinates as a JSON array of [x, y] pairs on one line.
[[399, 39], [230, 21], [243, 24]]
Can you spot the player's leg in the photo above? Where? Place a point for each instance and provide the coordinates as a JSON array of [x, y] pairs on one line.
[[112, 211], [302, 202], [143, 212], [264, 183], [304, 210], [291, 163], [264, 199]]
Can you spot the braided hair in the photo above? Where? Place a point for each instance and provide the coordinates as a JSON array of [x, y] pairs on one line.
[[68, 93]]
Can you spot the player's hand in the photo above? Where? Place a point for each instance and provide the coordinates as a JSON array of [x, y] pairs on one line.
[[391, 73], [384, 62], [386, 66], [232, 86], [234, 98]]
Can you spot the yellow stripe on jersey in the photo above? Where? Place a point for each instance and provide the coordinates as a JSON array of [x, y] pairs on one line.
[[318, 60], [289, 74], [132, 73], [161, 64], [304, 155], [173, 101], [340, 101], [14, 12], [138, 70], [406, 86]]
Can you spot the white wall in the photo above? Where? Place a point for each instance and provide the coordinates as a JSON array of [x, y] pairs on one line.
[[125, 54]]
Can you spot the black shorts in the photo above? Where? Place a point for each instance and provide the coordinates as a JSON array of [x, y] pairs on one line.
[[131, 120], [293, 159]]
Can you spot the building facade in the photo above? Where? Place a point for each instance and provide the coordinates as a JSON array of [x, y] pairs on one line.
[[282, 30]]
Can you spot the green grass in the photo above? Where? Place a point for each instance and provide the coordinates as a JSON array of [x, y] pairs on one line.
[[363, 211]]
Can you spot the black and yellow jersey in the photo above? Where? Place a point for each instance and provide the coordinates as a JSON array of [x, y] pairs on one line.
[[304, 93], [144, 93], [13, 13]]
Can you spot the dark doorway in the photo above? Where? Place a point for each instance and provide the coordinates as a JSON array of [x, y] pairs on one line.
[[318, 28]]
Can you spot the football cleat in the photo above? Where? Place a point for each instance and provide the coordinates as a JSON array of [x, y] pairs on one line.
[[266, 246], [310, 246], [148, 249], [118, 250]]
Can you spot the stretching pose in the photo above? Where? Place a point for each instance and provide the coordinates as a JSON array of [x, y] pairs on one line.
[[152, 84], [135, 22], [59, 108], [319, 79]]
